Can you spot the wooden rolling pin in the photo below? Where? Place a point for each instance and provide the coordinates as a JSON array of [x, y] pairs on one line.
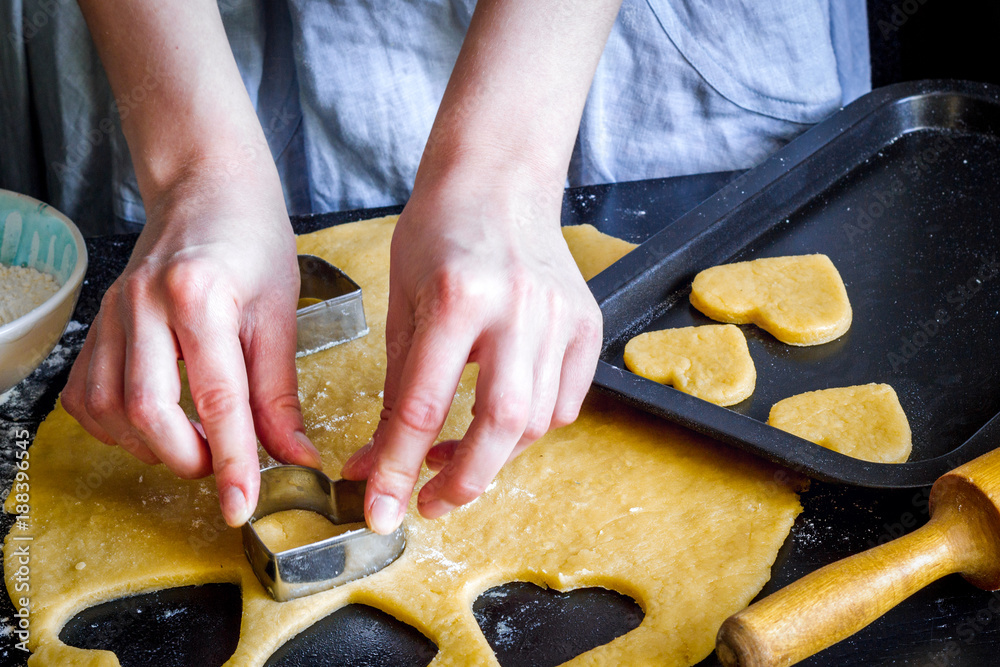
[[834, 602]]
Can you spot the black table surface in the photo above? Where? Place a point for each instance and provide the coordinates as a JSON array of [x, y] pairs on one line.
[[948, 623]]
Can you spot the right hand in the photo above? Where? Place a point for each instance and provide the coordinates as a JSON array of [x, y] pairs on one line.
[[479, 272], [213, 280]]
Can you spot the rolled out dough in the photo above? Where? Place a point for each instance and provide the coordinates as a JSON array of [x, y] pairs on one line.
[[711, 362], [800, 300], [687, 527], [865, 421]]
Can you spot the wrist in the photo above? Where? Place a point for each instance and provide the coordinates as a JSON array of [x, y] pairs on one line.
[[486, 161], [210, 199], [491, 184], [198, 165]]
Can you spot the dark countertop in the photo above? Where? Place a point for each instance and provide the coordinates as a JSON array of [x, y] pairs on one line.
[[949, 623]]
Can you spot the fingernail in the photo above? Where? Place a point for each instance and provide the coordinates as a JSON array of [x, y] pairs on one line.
[[234, 507], [384, 514], [356, 456], [308, 449], [434, 509]]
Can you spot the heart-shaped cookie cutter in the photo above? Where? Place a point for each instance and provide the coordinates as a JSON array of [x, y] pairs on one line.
[[339, 315], [315, 567]]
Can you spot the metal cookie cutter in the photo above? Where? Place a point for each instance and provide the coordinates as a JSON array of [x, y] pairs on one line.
[[321, 565], [338, 317]]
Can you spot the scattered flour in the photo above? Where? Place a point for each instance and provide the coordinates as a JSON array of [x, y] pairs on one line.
[[506, 633], [21, 289], [170, 613], [450, 567]]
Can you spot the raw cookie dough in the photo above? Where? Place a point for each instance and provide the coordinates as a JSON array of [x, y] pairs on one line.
[[711, 362], [592, 250], [286, 530], [307, 301], [866, 421], [799, 300], [686, 526]]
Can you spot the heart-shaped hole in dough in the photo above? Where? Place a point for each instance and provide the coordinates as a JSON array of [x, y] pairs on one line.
[[527, 625], [174, 627], [356, 635]]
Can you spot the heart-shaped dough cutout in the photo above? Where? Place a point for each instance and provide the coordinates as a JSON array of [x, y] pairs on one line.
[[866, 421], [711, 362], [799, 300]]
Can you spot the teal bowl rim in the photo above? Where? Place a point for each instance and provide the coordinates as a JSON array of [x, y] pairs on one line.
[[75, 278]]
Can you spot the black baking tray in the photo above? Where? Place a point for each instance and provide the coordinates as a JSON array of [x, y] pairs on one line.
[[899, 189]]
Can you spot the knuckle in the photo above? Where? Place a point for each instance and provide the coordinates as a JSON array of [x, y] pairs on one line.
[[72, 401], [110, 299], [135, 290], [536, 428], [232, 467], [590, 328], [281, 402], [447, 291], [421, 414], [99, 402], [392, 478], [187, 284], [565, 414], [521, 286], [217, 402], [510, 413], [556, 306], [188, 470], [143, 411], [464, 490]]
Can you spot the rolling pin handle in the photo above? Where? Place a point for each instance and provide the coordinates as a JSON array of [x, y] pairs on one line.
[[836, 601]]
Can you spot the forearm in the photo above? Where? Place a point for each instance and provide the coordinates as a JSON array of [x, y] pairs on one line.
[[213, 278], [179, 93], [518, 89]]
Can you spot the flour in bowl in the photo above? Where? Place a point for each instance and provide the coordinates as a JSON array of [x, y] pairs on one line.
[[21, 289]]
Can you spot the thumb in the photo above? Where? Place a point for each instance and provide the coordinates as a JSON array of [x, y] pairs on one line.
[[274, 393]]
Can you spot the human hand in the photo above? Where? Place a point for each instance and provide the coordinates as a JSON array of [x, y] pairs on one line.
[[477, 274], [213, 280]]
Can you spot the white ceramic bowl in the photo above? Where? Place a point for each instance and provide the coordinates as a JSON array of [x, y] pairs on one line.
[[35, 234]]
